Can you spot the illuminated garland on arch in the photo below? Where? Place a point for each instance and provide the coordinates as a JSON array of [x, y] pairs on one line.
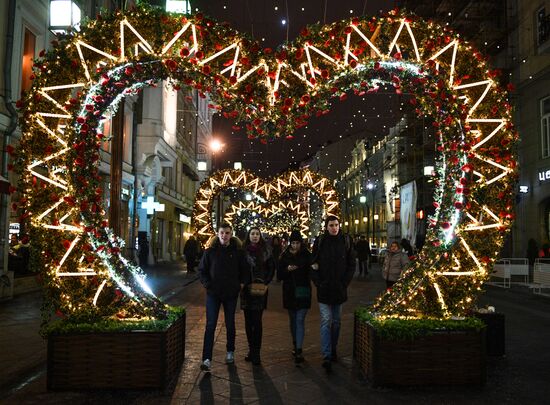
[[273, 93], [272, 219], [273, 196]]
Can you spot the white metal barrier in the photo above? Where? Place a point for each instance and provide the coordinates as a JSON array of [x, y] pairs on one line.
[[506, 268], [541, 275]]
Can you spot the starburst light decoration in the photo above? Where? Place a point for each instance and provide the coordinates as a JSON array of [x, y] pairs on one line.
[[272, 93], [273, 219], [274, 195]]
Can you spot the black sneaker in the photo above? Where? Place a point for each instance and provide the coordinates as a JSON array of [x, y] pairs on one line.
[[327, 364], [299, 357], [334, 356]]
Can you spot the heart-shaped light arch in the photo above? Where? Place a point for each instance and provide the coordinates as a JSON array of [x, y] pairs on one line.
[[271, 216], [85, 73], [273, 194]]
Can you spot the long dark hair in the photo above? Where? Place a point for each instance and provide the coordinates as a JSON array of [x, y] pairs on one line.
[[261, 242]]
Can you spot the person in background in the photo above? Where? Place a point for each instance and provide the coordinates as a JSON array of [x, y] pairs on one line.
[[394, 264], [532, 254], [262, 268], [363, 255], [406, 245], [294, 270], [276, 250], [191, 252], [223, 269], [544, 251], [333, 267]]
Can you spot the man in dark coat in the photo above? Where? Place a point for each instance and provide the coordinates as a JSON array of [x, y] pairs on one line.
[[333, 267], [363, 255], [191, 251], [223, 268]]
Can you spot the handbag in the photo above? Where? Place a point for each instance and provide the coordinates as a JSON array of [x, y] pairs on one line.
[[258, 288]]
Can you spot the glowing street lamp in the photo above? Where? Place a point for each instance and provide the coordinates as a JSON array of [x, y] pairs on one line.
[[202, 166], [216, 145]]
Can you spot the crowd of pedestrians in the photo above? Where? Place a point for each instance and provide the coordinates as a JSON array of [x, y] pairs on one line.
[[230, 270]]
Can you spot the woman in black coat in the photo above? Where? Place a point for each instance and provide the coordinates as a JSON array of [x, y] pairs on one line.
[[294, 271], [262, 268]]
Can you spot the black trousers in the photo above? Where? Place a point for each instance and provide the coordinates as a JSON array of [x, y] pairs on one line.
[[253, 325]]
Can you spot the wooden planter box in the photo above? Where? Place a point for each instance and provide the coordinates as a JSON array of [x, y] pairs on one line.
[[116, 360], [439, 358], [495, 334]]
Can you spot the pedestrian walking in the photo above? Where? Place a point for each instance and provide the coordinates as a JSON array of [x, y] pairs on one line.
[[276, 250], [191, 252], [294, 270], [333, 267], [394, 264], [544, 252], [255, 291], [363, 255], [532, 251], [223, 268]]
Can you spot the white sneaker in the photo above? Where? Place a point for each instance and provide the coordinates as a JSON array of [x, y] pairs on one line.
[[230, 358], [205, 365]]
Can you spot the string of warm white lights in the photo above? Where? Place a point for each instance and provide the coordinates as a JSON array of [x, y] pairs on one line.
[[273, 193], [273, 93]]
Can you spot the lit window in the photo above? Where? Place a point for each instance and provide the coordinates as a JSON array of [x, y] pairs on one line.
[[178, 6], [29, 46]]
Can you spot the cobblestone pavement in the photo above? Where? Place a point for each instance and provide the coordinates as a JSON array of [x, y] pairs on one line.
[[521, 377]]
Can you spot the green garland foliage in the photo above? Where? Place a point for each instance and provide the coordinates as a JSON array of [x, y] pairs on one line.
[[408, 329], [111, 325]]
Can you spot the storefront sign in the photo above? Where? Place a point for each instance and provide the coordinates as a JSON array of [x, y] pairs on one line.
[[544, 175]]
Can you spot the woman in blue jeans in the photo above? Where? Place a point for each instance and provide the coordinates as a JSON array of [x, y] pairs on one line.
[[294, 271]]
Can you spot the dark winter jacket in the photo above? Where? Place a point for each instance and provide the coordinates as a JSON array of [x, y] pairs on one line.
[[222, 269], [261, 269], [191, 248], [301, 278], [335, 256], [363, 250]]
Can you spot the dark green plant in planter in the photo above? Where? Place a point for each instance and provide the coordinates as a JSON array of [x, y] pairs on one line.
[[420, 351]]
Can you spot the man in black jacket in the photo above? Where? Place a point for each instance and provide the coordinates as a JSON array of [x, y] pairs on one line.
[[333, 267], [191, 251], [223, 268]]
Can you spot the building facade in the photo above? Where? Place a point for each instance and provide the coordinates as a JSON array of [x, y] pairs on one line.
[[157, 135]]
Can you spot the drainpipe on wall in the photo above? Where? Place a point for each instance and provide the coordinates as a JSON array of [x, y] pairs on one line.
[[138, 107], [4, 198]]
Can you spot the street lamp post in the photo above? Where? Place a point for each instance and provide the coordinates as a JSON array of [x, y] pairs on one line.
[[371, 188], [216, 146]]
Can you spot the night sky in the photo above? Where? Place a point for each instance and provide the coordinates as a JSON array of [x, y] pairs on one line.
[[367, 117]]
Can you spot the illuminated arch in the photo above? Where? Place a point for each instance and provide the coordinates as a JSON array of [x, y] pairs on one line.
[[270, 214], [87, 72], [273, 194]]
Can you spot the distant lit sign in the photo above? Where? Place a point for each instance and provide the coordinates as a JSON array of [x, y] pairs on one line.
[[151, 205], [524, 189], [185, 218], [545, 175]]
